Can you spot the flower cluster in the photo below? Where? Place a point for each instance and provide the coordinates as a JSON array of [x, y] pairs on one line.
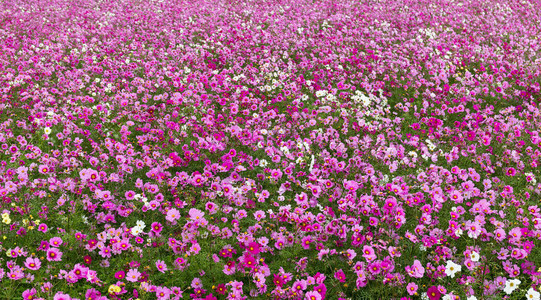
[[270, 149]]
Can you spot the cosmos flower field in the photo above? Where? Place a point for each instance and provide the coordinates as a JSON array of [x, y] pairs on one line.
[[270, 150]]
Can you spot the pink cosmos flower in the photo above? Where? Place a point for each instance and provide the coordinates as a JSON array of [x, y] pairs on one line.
[[316, 191], [350, 254], [123, 245], [276, 174], [211, 207], [162, 293], [93, 175], [29, 294], [456, 197], [53, 254], [368, 253], [351, 185], [46, 287], [61, 296], [153, 205], [299, 286], [15, 274], [416, 270], [161, 266], [172, 215], [80, 271], [229, 268], [130, 195], [474, 229], [133, 275], [43, 169], [32, 263], [195, 214], [321, 289], [258, 215], [306, 241], [390, 204], [55, 242], [279, 244], [312, 295], [93, 294], [105, 252], [71, 277], [198, 180], [194, 248], [470, 135], [196, 283], [412, 288]]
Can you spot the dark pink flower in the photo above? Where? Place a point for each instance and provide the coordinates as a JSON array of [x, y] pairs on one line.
[[340, 276], [433, 293]]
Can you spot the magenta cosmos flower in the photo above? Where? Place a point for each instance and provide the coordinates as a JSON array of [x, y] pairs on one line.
[[249, 261], [511, 172], [253, 248], [156, 227], [120, 275], [340, 276], [42, 227], [433, 293]]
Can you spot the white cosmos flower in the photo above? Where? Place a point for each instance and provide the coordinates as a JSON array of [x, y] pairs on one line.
[[474, 256], [532, 294], [511, 285], [451, 268], [321, 93], [365, 100], [136, 230], [47, 130], [141, 224]]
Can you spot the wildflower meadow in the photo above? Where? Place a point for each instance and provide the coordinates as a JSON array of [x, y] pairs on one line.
[[254, 149]]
